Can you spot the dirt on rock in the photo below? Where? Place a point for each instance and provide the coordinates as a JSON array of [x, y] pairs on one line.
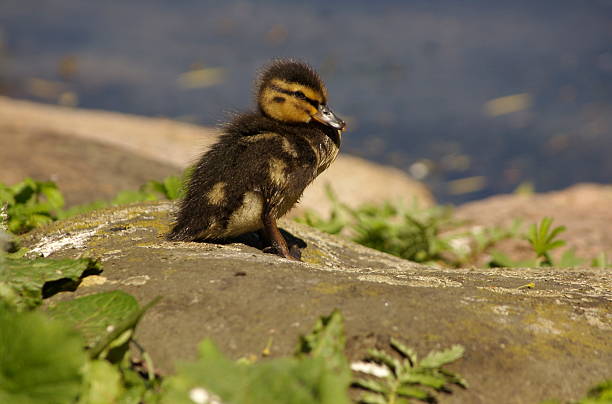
[[523, 344]]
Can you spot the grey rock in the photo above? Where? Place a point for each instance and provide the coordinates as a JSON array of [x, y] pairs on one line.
[[522, 344]]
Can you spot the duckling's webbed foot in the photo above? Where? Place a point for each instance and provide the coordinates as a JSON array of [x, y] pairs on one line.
[[277, 242]]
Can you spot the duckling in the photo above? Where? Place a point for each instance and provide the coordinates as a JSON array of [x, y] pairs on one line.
[[263, 161]]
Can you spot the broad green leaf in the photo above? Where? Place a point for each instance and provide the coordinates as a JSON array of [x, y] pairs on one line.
[[440, 358], [102, 383], [31, 280], [6, 195], [53, 194], [95, 315], [40, 360]]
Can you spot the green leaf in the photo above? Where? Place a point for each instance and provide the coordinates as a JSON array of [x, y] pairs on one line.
[[384, 358], [95, 315], [31, 280], [414, 392], [602, 391], [371, 398], [542, 240], [80, 209], [121, 331], [437, 359], [103, 383], [284, 380], [436, 382], [405, 351], [6, 195], [127, 197], [174, 187], [569, 259], [601, 261], [52, 193], [326, 341], [454, 378], [40, 360], [370, 384]]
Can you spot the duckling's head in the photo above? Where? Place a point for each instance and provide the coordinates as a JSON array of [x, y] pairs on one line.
[[292, 92]]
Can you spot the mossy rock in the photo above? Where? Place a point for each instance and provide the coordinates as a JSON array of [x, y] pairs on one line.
[[523, 344]]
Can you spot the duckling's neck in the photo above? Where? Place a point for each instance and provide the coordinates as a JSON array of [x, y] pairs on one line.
[[254, 123]]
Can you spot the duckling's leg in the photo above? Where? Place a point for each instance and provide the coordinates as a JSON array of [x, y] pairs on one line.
[[275, 238]]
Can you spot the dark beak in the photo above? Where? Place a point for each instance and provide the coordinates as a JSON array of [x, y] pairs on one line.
[[327, 117]]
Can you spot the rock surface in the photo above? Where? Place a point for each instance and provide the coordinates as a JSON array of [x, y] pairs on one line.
[[585, 209], [522, 345], [94, 154]]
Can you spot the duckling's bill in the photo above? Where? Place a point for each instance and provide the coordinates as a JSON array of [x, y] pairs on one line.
[[327, 117]]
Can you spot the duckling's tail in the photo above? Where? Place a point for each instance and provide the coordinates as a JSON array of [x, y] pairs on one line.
[[180, 233]]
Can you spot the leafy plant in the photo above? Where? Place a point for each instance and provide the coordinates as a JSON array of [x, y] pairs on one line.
[[430, 236], [40, 359], [75, 352], [169, 188], [24, 282], [409, 233], [407, 377], [543, 239], [101, 318], [318, 373], [30, 204]]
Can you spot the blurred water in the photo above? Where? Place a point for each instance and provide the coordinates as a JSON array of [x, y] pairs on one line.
[[418, 81]]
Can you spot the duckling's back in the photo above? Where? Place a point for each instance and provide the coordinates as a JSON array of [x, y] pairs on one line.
[[259, 166]]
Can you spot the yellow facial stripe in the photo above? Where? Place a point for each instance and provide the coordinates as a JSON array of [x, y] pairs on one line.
[[293, 87], [291, 109]]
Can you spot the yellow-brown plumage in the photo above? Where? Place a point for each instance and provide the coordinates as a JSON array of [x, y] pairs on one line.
[[263, 161]]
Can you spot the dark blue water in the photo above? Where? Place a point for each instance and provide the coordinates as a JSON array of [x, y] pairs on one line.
[[413, 78]]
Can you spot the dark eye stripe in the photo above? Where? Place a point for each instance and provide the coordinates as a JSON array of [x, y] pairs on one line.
[[297, 94]]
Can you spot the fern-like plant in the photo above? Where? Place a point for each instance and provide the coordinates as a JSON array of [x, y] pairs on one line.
[[543, 239], [407, 377]]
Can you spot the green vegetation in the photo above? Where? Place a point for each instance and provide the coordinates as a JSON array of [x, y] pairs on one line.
[[432, 236], [76, 351], [599, 394], [317, 373], [32, 203], [24, 282], [408, 377]]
